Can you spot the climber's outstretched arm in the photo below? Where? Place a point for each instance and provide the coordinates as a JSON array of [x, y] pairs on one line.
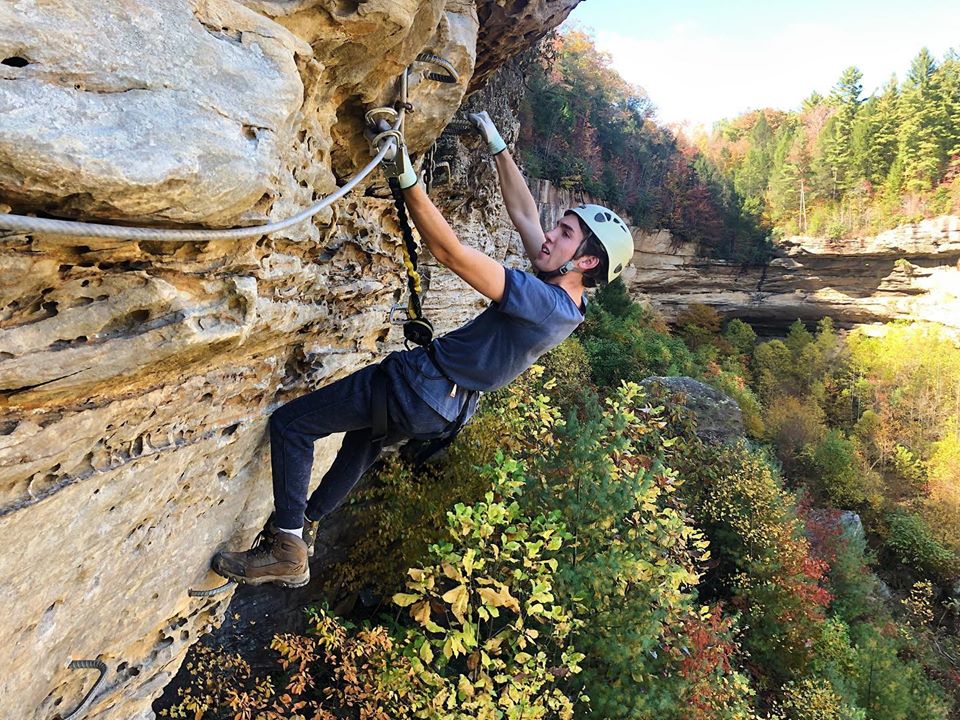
[[517, 197], [520, 205], [482, 273]]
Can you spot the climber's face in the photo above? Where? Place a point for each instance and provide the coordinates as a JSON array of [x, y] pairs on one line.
[[559, 245]]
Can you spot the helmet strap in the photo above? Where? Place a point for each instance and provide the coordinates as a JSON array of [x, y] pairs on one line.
[[568, 266]]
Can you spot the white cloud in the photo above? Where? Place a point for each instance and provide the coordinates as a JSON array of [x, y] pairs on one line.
[[694, 73]]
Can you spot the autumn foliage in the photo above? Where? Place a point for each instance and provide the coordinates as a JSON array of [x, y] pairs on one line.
[[584, 127]]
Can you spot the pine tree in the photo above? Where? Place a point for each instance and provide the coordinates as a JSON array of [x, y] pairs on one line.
[[752, 176], [880, 147], [923, 131], [949, 81], [846, 97], [786, 193]]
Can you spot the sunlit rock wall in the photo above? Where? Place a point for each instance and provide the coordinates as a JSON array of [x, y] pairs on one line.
[[136, 378], [909, 273]]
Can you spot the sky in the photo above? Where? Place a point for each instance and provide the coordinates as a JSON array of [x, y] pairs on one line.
[[700, 61]]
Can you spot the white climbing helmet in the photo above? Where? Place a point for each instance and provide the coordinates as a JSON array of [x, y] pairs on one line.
[[612, 232]]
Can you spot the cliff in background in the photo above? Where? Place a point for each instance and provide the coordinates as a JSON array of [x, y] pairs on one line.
[[136, 378], [909, 273]]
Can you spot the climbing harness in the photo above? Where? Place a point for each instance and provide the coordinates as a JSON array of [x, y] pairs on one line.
[[414, 451], [74, 228], [418, 452], [86, 665]]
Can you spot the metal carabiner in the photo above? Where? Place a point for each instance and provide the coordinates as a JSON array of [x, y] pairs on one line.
[[402, 308], [381, 113]]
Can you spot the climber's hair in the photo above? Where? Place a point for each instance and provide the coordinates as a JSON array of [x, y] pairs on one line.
[[597, 276]]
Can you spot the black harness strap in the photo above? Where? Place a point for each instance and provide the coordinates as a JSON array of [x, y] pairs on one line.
[[432, 352], [419, 452], [415, 451]]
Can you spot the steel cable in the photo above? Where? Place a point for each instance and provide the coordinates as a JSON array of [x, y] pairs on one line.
[[70, 228]]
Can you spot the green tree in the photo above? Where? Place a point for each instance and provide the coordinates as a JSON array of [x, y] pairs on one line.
[[877, 147], [840, 152], [949, 73], [753, 175], [923, 137], [785, 192]]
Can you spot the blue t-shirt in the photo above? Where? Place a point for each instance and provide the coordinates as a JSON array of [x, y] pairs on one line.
[[496, 346]]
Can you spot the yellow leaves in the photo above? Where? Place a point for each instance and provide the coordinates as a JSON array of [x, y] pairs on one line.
[[492, 645], [451, 572], [468, 560], [465, 687], [421, 612], [457, 598], [499, 597], [490, 597], [426, 652], [453, 647], [405, 599]]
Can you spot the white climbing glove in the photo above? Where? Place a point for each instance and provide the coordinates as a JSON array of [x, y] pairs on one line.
[[488, 130], [396, 163], [401, 168]]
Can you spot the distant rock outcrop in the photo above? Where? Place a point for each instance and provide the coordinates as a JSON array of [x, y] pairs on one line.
[[717, 415], [910, 273]]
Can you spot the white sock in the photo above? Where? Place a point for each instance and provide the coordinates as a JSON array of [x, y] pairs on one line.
[[298, 532]]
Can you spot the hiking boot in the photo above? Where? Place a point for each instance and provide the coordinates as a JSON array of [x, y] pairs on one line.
[[310, 528], [276, 557]]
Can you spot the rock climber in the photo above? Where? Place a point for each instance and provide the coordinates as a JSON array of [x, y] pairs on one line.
[[432, 391]]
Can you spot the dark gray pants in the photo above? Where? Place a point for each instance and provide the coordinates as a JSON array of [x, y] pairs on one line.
[[343, 406]]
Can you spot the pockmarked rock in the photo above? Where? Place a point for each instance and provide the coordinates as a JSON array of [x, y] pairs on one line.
[[134, 109]]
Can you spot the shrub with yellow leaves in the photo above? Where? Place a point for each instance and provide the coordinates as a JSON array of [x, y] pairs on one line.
[[487, 619]]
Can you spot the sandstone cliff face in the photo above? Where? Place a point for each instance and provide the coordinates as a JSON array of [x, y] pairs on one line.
[[910, 273], [136, 377]]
